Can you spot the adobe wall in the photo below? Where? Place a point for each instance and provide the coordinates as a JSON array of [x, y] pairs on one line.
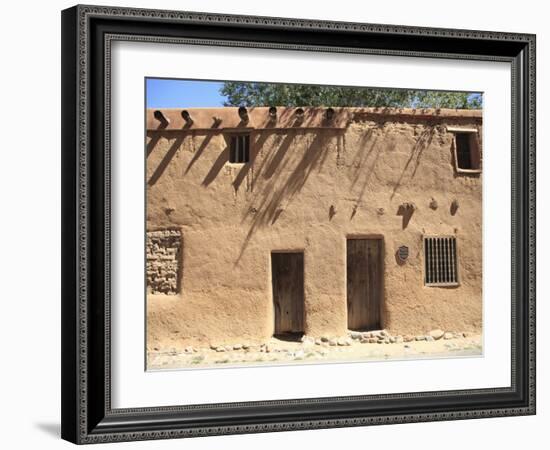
[[308, 189]]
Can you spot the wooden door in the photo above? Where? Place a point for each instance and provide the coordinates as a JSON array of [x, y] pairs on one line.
[[364, 283], [287, 275]]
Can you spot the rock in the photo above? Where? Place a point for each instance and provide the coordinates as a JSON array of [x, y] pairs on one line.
[[246, 346], [332, 342], [420, 338], [237, 347], [430, 338], [398, 339], [228, 348], [220, 349], [355, 335], [373, 340], [436, 334], [341, 342], [387, 340], [318, 341], [307, 339], [392, 340], [408, 338], [213, 347], [325, 339], [448, 335]]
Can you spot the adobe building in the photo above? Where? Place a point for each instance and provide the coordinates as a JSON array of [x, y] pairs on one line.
[[268, 221]]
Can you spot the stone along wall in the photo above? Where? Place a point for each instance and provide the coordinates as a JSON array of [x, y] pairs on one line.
[[163, 261]]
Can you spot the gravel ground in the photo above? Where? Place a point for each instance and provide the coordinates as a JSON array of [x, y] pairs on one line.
[[279, 352]]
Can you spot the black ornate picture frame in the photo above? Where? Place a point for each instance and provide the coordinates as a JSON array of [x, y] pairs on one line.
[[87, 34]]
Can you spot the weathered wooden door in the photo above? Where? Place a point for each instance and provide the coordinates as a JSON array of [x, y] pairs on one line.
[[365, 283], [287, 275]]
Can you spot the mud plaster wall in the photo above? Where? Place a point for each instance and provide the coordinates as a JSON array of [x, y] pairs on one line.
[[308, 190]]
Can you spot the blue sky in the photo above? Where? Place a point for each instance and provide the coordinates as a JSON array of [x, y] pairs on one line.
[[171, 93], [163, 93]]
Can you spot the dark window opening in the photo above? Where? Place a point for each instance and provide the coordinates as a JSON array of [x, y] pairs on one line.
[[239, 151], [440, 261], [467, 152]]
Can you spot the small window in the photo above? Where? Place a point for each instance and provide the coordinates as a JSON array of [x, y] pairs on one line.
[[467, 154], [239, 151], [440, 261]]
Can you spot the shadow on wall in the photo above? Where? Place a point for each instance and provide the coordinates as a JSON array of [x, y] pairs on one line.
[[421, 144], [364, 163], [199, 152], [222, 158], [366, 158], [258, 144], [167, 157], [406, 211], [159, 171], [284, 174]]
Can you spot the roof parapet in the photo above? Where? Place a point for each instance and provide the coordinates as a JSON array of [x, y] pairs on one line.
[[234, 118]]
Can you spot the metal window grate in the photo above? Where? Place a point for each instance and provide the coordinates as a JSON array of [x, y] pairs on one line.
[[239, 151], [440, 261]]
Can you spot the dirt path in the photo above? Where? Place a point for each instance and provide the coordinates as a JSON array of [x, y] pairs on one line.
[[278, 352]]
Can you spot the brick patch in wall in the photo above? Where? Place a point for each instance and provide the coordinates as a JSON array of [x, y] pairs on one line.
[[163, 261]]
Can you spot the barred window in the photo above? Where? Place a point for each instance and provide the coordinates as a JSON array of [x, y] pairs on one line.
[[239, 150], [440, 261]]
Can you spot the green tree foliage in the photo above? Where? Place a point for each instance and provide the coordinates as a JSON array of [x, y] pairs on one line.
[[269, 94]]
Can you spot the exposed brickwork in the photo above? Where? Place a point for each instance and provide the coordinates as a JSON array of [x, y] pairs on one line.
[[163, 261]]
